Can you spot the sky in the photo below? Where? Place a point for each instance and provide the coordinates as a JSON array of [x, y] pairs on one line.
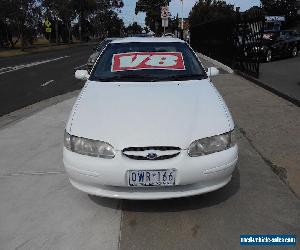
[[128, 15]]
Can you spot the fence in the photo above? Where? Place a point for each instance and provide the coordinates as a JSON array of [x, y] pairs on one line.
[[235, 42]]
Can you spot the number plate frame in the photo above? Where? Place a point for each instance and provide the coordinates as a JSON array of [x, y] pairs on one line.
[[151, 178]]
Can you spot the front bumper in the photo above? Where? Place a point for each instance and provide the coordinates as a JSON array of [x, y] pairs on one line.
[[107, 177]]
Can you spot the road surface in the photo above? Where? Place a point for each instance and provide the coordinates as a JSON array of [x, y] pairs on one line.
[[283, 75], [25, 80]]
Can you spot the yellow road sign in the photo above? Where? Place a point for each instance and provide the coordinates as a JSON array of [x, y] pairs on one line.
[[48, 30], [47, 24]]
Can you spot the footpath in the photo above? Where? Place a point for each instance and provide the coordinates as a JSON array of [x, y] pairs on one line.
[[270, 123]]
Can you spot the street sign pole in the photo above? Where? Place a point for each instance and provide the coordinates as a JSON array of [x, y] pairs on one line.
[[182, 14], [48, 29], [165, 23], [50, 44], [165, 17]]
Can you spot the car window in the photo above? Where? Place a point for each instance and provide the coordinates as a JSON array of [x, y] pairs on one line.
[[284, 35], [270, 36], [147, 62]]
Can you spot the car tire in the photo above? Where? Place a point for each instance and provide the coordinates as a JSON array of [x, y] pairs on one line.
[[269, 56], [294, 51]]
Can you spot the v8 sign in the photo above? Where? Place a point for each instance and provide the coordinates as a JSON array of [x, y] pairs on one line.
[[147, 60]]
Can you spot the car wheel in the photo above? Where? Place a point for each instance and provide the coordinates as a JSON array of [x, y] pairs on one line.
[[294, 51], [269, 56]]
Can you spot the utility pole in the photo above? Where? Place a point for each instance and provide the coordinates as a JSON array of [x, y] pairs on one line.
[[181, 19], [181, 15], [80, 21], [56, 32]]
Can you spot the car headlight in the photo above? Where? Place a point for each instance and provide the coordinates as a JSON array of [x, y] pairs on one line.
[[212, 144], [88, 147]]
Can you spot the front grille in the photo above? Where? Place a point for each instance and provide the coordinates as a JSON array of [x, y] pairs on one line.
[[154, 153]]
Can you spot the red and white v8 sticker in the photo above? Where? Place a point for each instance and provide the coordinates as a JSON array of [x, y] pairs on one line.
[[147, 60]]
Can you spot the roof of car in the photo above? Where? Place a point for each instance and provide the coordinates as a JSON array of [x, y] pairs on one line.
[[148, 40], [111, 38]]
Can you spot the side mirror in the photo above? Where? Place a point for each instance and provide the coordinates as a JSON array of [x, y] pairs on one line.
[[212, 71], [82, 74]]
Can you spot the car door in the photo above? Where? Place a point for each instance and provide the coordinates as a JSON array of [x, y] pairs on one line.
[[284, 40], [278, 45]]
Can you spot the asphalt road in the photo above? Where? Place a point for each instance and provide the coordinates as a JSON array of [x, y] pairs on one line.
[[283, 75], [25, 80]]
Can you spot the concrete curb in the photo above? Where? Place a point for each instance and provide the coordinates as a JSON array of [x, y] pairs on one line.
[[20, 114], [217, 63]]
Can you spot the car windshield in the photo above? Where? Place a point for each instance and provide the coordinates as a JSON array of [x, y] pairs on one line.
[[141, 61]]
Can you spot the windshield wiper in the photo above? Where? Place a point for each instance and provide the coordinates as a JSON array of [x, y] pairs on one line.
[[184, 77], [120, 78], [149, 78]]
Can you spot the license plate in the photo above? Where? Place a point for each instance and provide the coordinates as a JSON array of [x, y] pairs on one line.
[[151, 178]]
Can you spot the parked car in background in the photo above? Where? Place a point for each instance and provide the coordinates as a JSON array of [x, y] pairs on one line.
[[168, 35], [93, 57], [284, 43], [141, 35]]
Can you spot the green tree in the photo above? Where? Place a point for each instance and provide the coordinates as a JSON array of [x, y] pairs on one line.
[[21, 19], [102, 24], [61, 11], [152, 8], [134, 28], [210, 10], [91, 8], [83, 8], [174, 23]]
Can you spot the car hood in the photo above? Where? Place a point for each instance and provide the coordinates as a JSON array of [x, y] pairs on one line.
[[149, 114]]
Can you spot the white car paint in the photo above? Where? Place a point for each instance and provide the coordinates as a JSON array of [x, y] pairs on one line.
[[163, 113], [107, 178], [139, 114]]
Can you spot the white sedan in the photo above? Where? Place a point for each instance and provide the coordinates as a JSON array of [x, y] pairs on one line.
[[149, 124]]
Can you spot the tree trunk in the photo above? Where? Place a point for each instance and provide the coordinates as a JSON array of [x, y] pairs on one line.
[[80, 25], [9, 41], [22, 37], [69, 29], [22, 41], [81, 18], [21, 33], [56, 33]]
